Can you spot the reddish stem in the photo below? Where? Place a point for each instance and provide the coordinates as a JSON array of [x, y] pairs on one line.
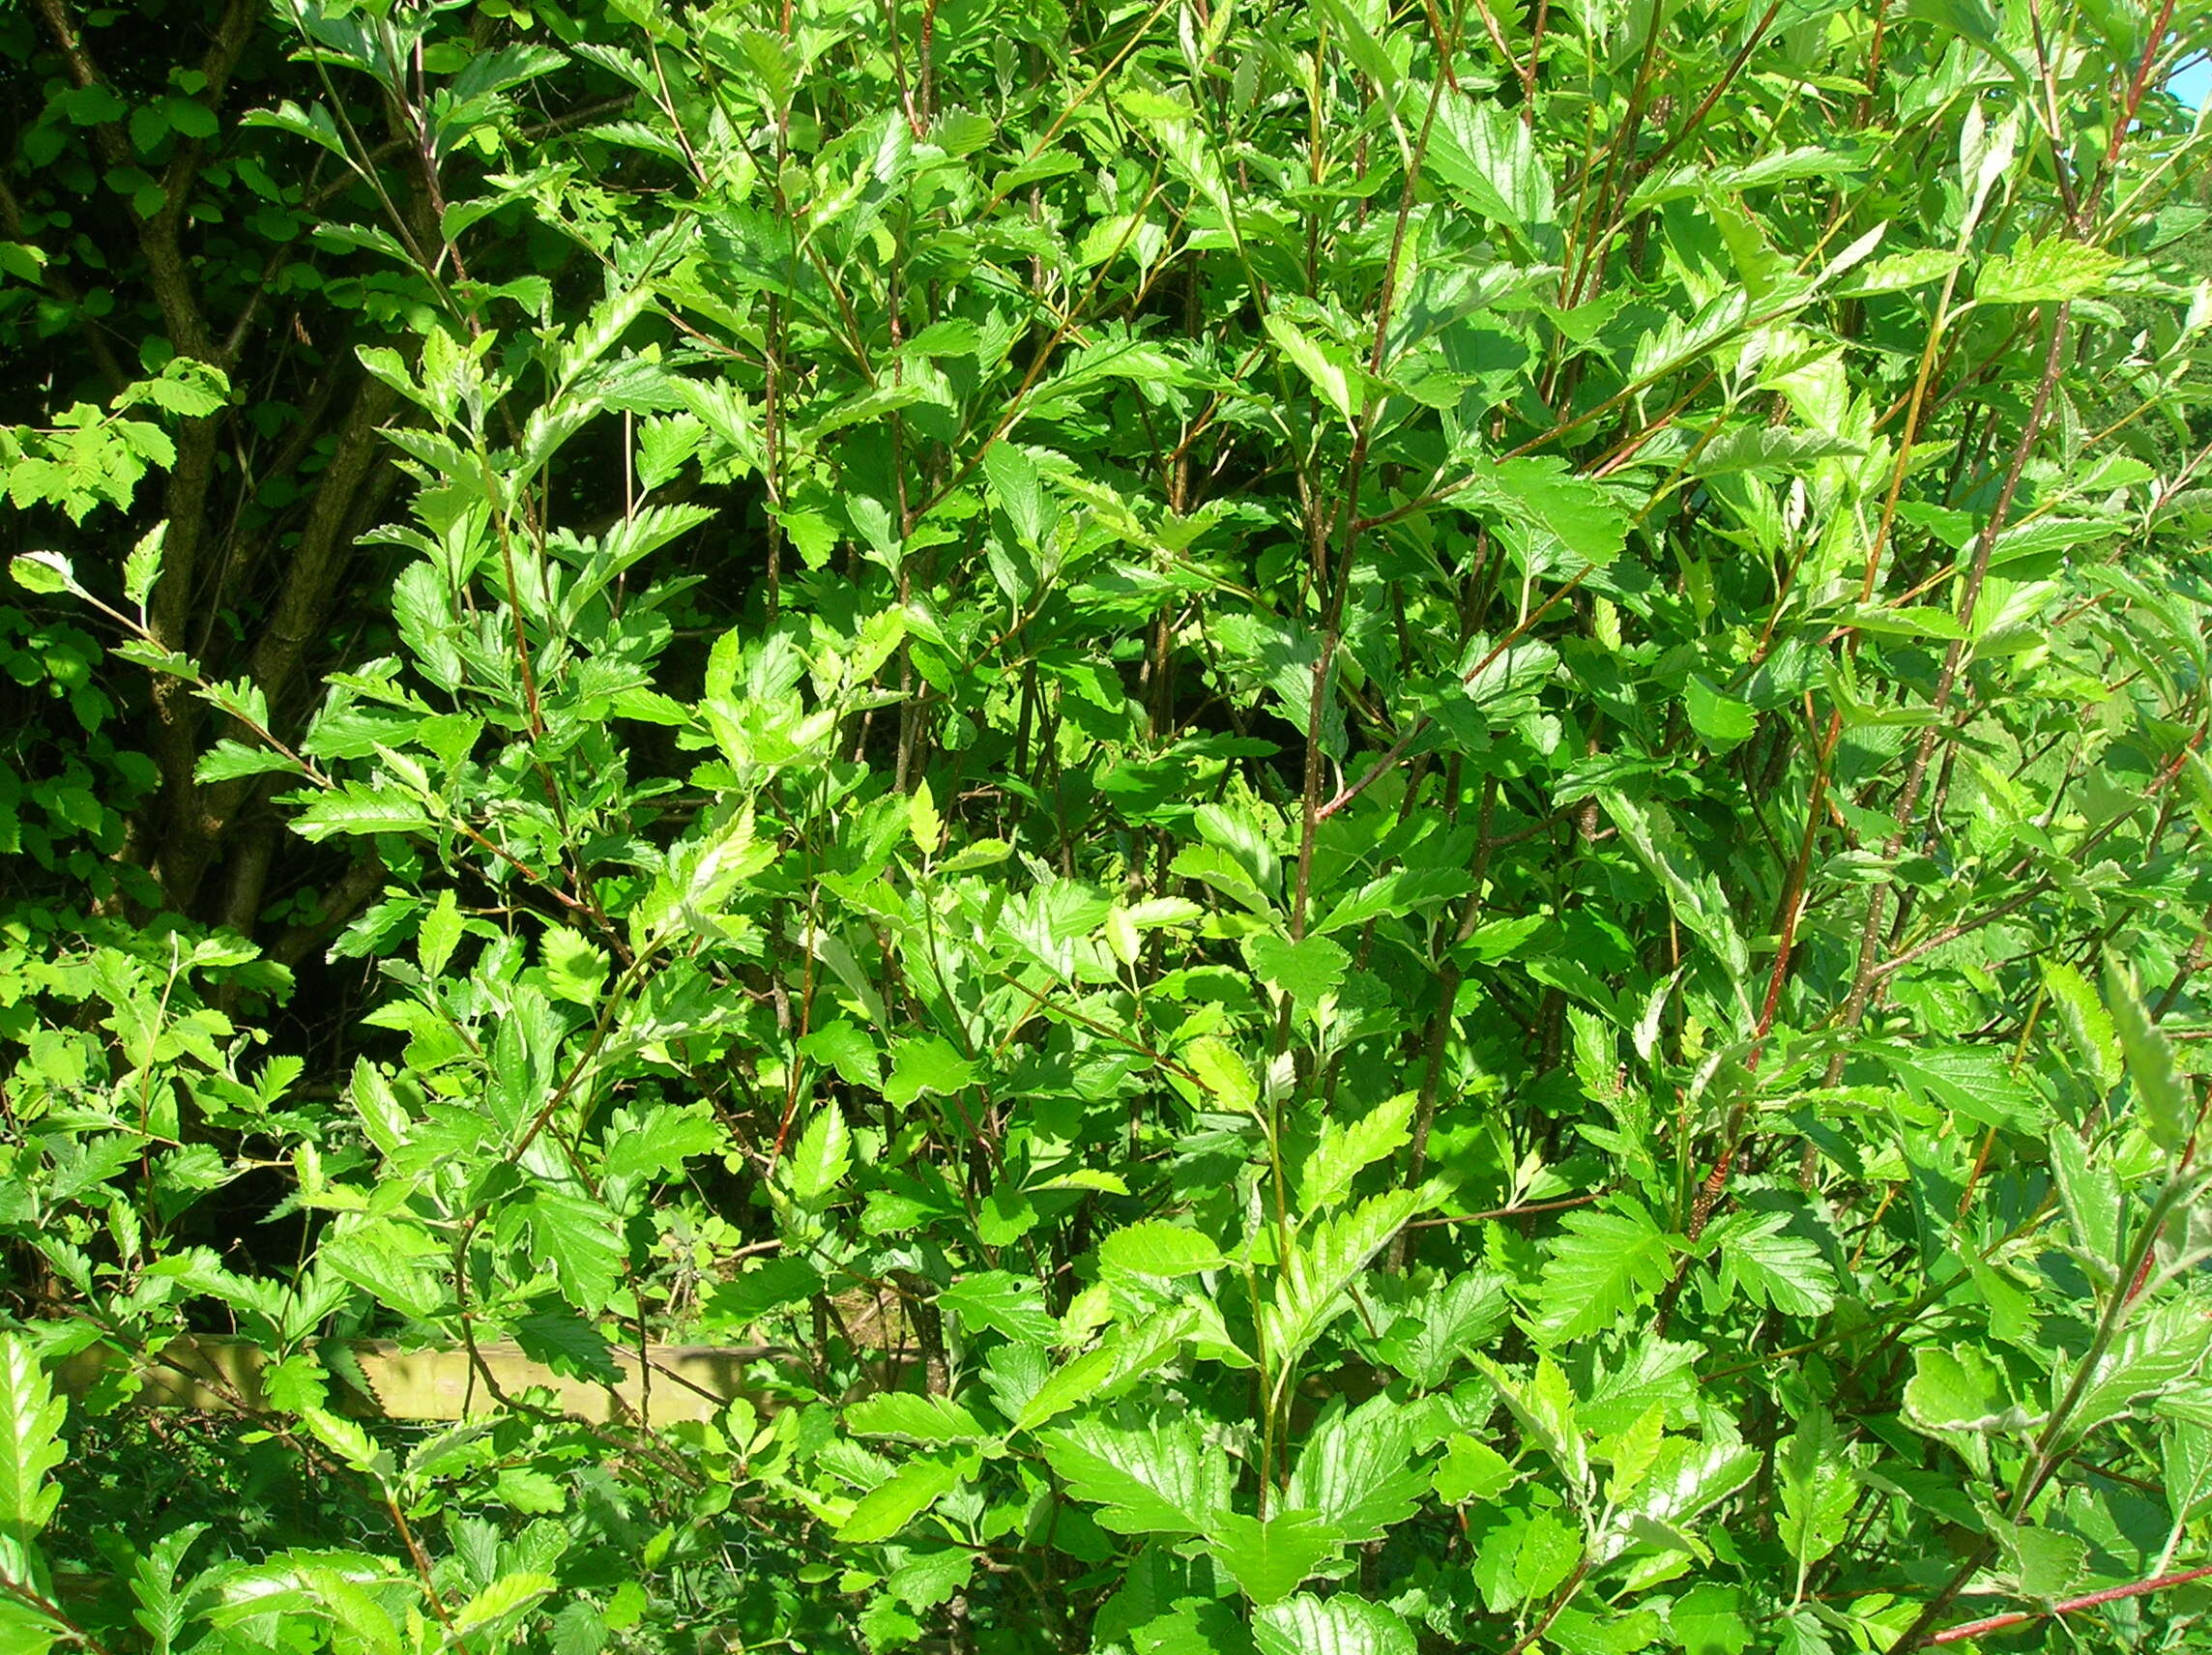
[[2110, 1594]]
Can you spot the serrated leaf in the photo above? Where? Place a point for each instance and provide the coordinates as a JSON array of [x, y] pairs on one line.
[[1222, 1071], [1018, 486], [1306, 971], [1269, 1558], [143, 566], [2085, 1022], [1329, 1257], [43, 574], [499, 1603], [884, 1510], [1974, 1081], [31, 1419], [357, 808], [822, 1157], [1157, 1248], [568, 1344], [1688, 1478], [1894, 273], [1961, 1390], [1330, 370], [1544, 1405], [996, 1301], [1772, 1267], [1157, 1477], [1343, 1151], [1693, 893], [1818, 1490], [2045, 271], [581, 1242], [1447, 1322], [163, 1611], [1361, 1471], [232, 760], [929, 1065], [2162, 1347], [2046, 1563], [1601, 1269], [913, 1418], [1722, 721], [2167, 1115], [924, 827], [1346, 1624]]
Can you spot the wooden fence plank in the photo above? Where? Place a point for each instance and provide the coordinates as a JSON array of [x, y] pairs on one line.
[[219, 1375]]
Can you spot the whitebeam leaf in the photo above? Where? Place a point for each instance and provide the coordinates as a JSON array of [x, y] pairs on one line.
[[822, 1157], [30, 1441], [1156, 1478]]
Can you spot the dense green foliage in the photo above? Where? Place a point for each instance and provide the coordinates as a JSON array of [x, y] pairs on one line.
[[1384, 820]]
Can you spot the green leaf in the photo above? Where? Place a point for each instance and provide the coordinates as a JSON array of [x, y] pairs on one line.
[[1341, 1625], [1222, 1071], [1329, 1257], [1472, 1471], [821, 1158], [43, 573], [1328, 369], [1600, 1270], [1483, 155], [231, 761], [927, 1066], [1961, 1390], [143, 566], [1819, 1488], [1687, 1479], [1771, 1266], [583, 1244], [1361, 1471], [2045, 271], [1018, 486], [1157, 1248], [1540, 495], [2165, 1345], [2091, 1192], [1894, 273], [2167, 1115], [1721, 720], [1444, 1323], [1269, 1559], [2085, 1022], [163, 1612], [1976, 1082], [1693, 894], [996, 1301], [357, 808], [845, 1048], [884, 1511], [1395, 895], [1709, 1620], [437, 935], [499, 1605], [1157, 1477], [568, 1344], [1343, 1151], [575, 969], [30, 1441], [2046, 1563], [925, 828], [913, 1418], [1307, 971], [1545, 1407]]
